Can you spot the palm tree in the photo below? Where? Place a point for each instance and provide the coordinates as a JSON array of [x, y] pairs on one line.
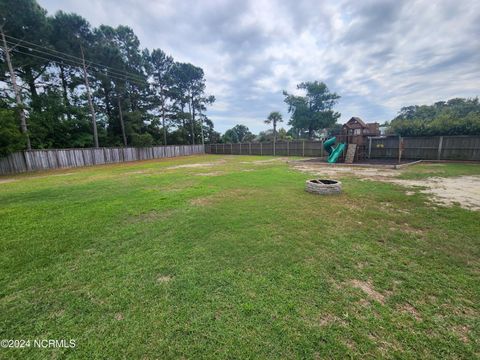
[[274, 118]]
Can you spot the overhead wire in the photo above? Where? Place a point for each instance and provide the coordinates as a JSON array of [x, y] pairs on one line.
[[76, 59]]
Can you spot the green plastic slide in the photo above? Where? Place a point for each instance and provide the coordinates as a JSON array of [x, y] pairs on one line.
[[333, 157], [328, 145]]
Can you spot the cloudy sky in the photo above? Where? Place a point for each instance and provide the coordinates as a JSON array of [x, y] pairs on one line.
[[378, 55]]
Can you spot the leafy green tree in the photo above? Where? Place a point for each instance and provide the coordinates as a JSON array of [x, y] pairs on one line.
[[274, 118], [238, 134], [453, 117], [138, 97], [11, 138], [162, 66], [314, 111]]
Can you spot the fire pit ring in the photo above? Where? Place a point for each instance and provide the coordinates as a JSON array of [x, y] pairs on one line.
[[323, 186]]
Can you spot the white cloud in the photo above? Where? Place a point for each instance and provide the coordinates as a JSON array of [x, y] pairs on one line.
[[378, 55]]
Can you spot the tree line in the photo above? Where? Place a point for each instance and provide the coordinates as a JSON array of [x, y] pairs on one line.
[[68, 84], [312, 116], [453, 117]]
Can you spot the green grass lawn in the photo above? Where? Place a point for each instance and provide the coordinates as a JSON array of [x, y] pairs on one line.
[[234, 260]]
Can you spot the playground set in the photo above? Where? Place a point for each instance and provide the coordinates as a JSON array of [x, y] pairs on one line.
[[352, 143]]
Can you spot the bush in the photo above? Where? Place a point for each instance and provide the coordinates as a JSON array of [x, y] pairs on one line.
[[11, 138]]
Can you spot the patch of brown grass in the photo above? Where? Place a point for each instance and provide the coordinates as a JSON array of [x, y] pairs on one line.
[[164, 279], [151, 216], [368, 289], [409, 309], [231, 194]]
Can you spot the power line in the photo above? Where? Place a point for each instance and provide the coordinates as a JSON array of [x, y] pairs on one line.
[[120, 72], [72, 62], [74, 59], [78, 65]]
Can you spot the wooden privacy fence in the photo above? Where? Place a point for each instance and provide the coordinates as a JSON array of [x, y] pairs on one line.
[[34, 160], [283, 148], [426, 147], [415, 148]]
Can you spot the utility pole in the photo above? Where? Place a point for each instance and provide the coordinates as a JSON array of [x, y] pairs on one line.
[[18, 97], [90, 102]]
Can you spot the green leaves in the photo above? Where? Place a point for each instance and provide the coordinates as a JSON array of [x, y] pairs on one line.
[[453, 117], [314, 111]]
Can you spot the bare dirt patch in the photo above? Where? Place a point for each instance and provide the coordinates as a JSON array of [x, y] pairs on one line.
[[462, 190], [462, 332], [164, 279], [409, 309], [119, 316], [265, 162], [329, 320], [138, 172], [339, 171], [197, 165], [368, 289], [4, 181], [213, 173]]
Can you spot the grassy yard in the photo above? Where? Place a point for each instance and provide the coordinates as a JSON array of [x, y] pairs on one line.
[[166, 259]]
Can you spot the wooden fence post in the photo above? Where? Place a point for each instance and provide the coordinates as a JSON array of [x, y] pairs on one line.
[[231, 149], [303, 148], [400, 148], [261, 149], [288, 149], [250, 148], [240, 149], [440, 145]]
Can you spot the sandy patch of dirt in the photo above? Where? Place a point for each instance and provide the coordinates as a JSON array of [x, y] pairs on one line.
[[330, 319], [164, 279], [4, 181], [462, 332], [409, 309], [339, 171], [368, 289], [196, 165], [462, 190], [119, 316], [213, 173], [138, 172], [265, 162]]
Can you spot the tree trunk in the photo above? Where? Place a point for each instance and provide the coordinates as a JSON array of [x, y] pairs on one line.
[[65, 92], [201, 130], [122, 124], [274, 136], [90, 102], [192, 134], [163, 122], [33, 89], [18, 97]]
